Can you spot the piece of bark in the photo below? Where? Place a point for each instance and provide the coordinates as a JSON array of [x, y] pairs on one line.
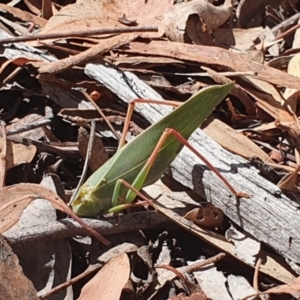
[[269, 216]]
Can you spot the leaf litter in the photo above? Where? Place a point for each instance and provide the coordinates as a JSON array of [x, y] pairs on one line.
[[48, 122]]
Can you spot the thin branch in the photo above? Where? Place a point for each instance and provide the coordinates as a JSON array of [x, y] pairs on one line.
[[82, 33], [101, 113], [90, 270], [3, 155], [255, 276], [205, 74]]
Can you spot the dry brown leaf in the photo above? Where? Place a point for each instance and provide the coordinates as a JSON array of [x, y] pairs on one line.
[[14, 284], [244, 38], [86, 14], [236, 90], [235, 142], [291, 95], [277, 156], [291, 182], [289, 288], [249, 13], [23, 15], [14, 199], [292, 287], [214, 55], [98, 155], [109, 281], [271, 106], [209, 216], [292, 128], [178, 27], [18, 153]]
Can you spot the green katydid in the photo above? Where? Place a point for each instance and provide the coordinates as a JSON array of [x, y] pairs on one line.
[[142, 161]]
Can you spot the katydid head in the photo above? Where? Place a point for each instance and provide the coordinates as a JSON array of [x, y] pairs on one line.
[[86, 204]]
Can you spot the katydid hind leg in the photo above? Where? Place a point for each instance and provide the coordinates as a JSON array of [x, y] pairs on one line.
[[140, 179], [195, 151]]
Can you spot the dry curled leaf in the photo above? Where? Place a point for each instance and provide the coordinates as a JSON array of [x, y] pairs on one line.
[[14, 284], [18, 153], [291, 182], [234, 141], [209, 217], [289, 288], [87, 14], [177, 21]]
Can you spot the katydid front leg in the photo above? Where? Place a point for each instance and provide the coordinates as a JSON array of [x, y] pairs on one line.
[[138, 183]]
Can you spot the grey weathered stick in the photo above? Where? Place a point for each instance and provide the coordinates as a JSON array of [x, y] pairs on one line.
[[69, 228], [269, 216]]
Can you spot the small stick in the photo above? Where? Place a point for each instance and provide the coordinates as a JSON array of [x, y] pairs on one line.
[[198, 265], [228, 74], [82, 33], [101, 113], [3, 155], [255, 276], [286, 23], [90, 270], [286, 33]]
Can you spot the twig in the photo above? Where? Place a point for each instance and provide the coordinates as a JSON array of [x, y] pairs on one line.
[[90, 270], [87, 159], [286, 23], [71, 152], [228, 74], [101, 113], [97, 50], [286, 33], [3, 155], [255, 277], [175, 271], [179, 272], [198, 265], [82, 33]]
